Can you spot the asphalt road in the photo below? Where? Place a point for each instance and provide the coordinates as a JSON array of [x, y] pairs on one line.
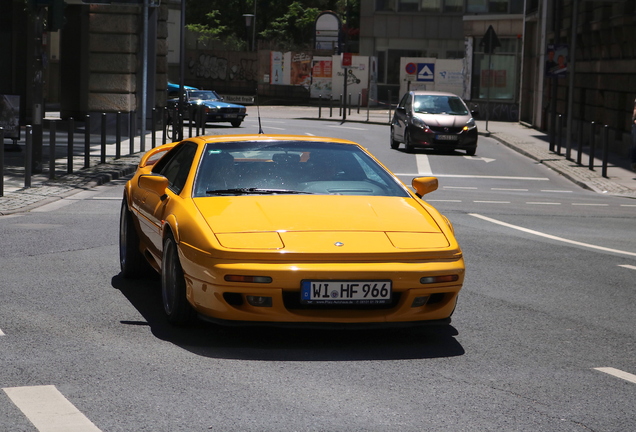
[[543, 338]]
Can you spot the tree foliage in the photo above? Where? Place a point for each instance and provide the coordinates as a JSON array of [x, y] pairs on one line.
[[286, 24]]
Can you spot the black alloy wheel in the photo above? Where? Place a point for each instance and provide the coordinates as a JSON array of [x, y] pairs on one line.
[[173, 286]]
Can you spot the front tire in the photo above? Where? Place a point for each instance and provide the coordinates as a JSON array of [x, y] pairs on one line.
[[407, 142], [236, 123], [131, 260], [173, 286]]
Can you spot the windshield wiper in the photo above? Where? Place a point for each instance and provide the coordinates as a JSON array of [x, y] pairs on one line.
[[255, 191]]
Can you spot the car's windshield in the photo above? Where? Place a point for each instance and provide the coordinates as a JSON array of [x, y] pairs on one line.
[[438, 104], [203, 95], [291, 167]]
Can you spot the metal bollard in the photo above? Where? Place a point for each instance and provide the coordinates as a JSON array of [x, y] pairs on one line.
[[87, 142], [579, 154], [1, 161], [118, 135], [605, 150], [52, 142], [330, 107], [154, 128], [102, 158], [359, 101], [592, 146], [71, 144], [558, 133], [390, 116], [349, 103], [131, 133], [28, 155], [319, 106], [164, 126], [340, 107], [190, 118], [204, 120]]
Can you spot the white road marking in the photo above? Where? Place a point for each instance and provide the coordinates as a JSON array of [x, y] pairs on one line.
[[509, 190], [551, 237], [49, 410], [1, 333], [423, 165], [542, 203], [487, 160], [557, 191], [492, 202], [347, 127], [473, 176], [628, 205], [590, 204], [627, 266], [276, 128], [618, 373], [455, 201]]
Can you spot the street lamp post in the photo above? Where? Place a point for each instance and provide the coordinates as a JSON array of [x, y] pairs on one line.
[[250, 21]]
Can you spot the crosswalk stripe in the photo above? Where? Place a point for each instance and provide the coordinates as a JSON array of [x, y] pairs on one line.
[[49, 410]]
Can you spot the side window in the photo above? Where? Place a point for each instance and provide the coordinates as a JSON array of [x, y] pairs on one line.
[[408, 103], [176, 165], [402, 103]]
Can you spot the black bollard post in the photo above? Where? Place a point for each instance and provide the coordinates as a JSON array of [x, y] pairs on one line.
[[71, 144], [579, 154], [558, 133], [592, 146], [154, 127], [118, 135], [320, 106], [87, 141], [52, 142], [102, 157], [28, 156], [131, 133], [1, 161], [605, 150]]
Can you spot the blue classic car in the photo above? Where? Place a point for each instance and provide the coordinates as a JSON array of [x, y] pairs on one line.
[[214, 108]]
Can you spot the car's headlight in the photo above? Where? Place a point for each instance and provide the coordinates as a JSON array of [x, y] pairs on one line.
[[470, 124], [211, 109], [418, 122]]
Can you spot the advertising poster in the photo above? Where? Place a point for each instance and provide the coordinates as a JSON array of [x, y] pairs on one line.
[[357, 77], [301, 69], [556, 60], [321, 75], [276, 73], [10, 115], [449, 76]]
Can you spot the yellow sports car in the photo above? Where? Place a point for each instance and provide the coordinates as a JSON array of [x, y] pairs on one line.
[[287, 230]]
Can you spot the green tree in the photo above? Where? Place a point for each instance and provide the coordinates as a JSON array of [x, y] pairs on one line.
[[284, 25]]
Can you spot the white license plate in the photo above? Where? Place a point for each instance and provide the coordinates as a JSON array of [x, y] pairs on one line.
[[231, 115], [345, 292], [447, 137]]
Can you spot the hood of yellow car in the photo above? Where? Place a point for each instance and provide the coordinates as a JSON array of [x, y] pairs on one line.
[[325, 223]]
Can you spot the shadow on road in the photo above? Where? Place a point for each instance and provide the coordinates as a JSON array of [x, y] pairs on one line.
[[286, 344]]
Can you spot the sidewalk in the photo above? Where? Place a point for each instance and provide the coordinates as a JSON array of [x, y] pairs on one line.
[[620, 179]]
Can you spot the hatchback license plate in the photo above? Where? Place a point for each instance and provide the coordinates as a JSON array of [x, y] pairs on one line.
[[345, 292], [447, 137]]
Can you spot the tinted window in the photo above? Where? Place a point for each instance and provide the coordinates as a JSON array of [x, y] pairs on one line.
[[176, 165], [291, 167]]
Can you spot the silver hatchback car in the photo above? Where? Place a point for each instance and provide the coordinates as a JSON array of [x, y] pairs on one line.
[[436, 120]]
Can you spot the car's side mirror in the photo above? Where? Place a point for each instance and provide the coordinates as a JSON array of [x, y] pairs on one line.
[[400, 109], [424, 185], [154, 183], [474, 113]]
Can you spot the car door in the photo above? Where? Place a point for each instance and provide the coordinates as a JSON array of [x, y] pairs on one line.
[[400, 118], [176, 167]]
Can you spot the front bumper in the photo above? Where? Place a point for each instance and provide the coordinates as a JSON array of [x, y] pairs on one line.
[[465, 140], [218, 300]]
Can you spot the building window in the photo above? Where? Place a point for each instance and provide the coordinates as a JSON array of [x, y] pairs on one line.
[[495, 76], [494, 6], [408, 5], [431, 5], [384, 5], [453, 5]]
